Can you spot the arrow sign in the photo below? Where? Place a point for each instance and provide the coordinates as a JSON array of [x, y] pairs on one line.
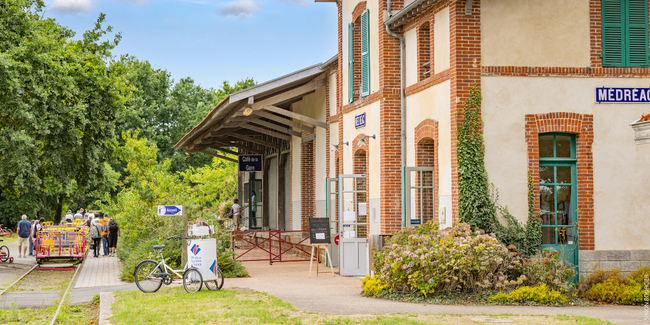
[[170, 210]]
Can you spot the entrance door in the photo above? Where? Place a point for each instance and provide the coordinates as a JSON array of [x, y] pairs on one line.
[[331, 211], [353, 225], [558, 195], [420, 196]]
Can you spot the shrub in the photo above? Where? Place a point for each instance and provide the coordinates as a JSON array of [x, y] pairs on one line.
[[609, 286], [540, 294], [546, 268], [428, 260], [372, 286]]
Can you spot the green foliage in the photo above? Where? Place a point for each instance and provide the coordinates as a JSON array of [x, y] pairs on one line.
[[546, 268], [540, 294], [428, 260], [372, 286], [134, 208], [609, 286], [474, 205]]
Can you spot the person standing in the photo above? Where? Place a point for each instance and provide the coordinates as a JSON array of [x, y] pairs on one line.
[[35, 229], [68, 216], [113, 234], [105, 234], [96, 235], [236, 213], [24, 231], [253, 204], [79, 214]]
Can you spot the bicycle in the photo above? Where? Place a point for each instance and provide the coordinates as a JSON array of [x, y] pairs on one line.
[[150, 274], [4, 254], [5, 232]]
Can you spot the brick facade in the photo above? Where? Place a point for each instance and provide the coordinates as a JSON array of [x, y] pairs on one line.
[[307, 188], [582, 127]]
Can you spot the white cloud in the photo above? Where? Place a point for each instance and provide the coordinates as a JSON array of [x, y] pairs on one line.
[[240, 9], [72, 6], [138, 2], [302, 3]]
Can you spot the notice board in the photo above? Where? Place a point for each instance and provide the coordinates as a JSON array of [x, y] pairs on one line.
[[319, 230]]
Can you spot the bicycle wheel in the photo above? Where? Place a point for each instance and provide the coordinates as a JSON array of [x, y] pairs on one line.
[[192, 280], [217, 284], [144, 278], [4, 253]]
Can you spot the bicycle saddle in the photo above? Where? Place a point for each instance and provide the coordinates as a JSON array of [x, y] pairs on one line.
[[157, 247]]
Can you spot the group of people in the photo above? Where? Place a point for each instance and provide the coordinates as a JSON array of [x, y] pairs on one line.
[[27, 232], [103, 231]]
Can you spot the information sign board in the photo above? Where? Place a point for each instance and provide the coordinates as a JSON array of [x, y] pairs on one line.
[[319, 230], [170, 210], [250, 163]]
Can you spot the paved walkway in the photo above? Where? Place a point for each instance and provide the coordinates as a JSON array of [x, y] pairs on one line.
[[99, 272], [342, 295]]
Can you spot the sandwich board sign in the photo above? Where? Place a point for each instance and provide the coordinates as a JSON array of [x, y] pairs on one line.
[[319, 230], [170, 210]]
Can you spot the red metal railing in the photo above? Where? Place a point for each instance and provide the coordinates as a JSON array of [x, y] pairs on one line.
[[271, 245]]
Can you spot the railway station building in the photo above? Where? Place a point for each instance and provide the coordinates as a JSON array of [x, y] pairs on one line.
[[369, 137]]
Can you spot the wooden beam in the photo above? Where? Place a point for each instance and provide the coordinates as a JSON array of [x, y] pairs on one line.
[[312, 85], [218, 156], [296, 116], [226, 151], [279, 82], [219, 124], [257, 141], [284, 121], [277, 127], [225, 143], [266, 132]]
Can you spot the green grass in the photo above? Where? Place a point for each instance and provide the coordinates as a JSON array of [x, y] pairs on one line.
[[175, 306], [8, 240]]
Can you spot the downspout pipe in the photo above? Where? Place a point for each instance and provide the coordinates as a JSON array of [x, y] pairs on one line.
[[402, 63]]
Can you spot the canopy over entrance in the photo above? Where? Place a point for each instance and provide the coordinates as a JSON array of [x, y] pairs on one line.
[[259, 119]]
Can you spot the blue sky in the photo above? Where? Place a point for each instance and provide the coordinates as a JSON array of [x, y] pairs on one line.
[[213, 40]]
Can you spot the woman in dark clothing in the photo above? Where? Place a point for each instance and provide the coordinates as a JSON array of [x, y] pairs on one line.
[[96, 235], [113, 233]]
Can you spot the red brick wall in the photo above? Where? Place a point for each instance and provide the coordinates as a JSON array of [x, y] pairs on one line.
[[465, 73], [426, 153], [583, 128], [307, 186]]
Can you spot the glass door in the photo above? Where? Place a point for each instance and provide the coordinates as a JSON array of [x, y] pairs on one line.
[[353, 225]]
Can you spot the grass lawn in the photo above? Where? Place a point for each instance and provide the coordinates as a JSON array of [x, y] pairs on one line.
[[8, 240], [243, 306]]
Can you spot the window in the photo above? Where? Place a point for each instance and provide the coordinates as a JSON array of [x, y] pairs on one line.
[[557, 188], [625, 33], [424, 52], [359, 56]]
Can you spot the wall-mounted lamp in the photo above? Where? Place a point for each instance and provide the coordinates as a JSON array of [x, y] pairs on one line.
[[335, 147], [362, 141], [248, 111]]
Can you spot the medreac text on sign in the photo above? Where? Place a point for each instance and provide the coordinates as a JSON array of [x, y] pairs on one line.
[[622, 95], [250, 163]]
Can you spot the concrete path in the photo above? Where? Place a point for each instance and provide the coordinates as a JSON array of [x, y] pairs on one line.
[[29, 299], [98, 274], [341, 295], [10, 272]]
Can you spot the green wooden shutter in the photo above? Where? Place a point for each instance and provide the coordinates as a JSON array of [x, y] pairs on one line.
[[636, 40], [613, 32], [350, 62], [365, 53]]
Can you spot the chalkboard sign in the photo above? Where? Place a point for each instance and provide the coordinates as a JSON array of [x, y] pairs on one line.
[[319, 230]]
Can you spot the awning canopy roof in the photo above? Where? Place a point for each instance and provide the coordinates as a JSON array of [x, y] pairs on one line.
[[258, 118]]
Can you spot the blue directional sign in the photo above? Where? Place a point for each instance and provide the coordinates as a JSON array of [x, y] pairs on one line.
[[250, 163], [622, 95], [360, 120], [170, 210]]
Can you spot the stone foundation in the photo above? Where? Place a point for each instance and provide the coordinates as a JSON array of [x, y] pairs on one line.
[[626, 261]]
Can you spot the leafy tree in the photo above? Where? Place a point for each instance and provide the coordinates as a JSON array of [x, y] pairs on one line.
[[59, 98]]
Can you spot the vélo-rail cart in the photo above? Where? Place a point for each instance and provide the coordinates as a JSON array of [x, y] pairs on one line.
[[64, 241]]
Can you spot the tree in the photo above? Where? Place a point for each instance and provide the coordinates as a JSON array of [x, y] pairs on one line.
[[59, 98]]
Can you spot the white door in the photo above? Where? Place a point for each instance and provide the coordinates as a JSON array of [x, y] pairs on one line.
[[331, 206], [353, 225]]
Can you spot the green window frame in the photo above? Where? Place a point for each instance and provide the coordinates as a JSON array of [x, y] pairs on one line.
[[350, 62], [625, 33], [365, 53], [558, 194]]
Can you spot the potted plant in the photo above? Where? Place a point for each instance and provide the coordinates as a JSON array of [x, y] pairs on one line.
[[641, 129]]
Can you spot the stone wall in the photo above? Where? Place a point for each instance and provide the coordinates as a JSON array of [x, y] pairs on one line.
[[626, 261]]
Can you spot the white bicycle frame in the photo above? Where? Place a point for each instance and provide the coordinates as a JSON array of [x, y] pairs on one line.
[[168, 269]]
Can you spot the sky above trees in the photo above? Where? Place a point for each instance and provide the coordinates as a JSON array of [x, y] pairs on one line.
[[213, 40]]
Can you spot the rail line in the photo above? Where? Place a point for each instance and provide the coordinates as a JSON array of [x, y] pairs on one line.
[[24, 275]]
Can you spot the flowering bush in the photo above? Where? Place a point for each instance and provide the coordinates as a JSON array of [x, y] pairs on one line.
[[430, 260], [372, 286], [546, 268], [541, 294], [609, 286], [224, 208]]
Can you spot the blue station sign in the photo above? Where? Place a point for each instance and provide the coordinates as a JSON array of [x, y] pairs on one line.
[[170, 210], [622, 95], [250, 163], [359, 120]]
